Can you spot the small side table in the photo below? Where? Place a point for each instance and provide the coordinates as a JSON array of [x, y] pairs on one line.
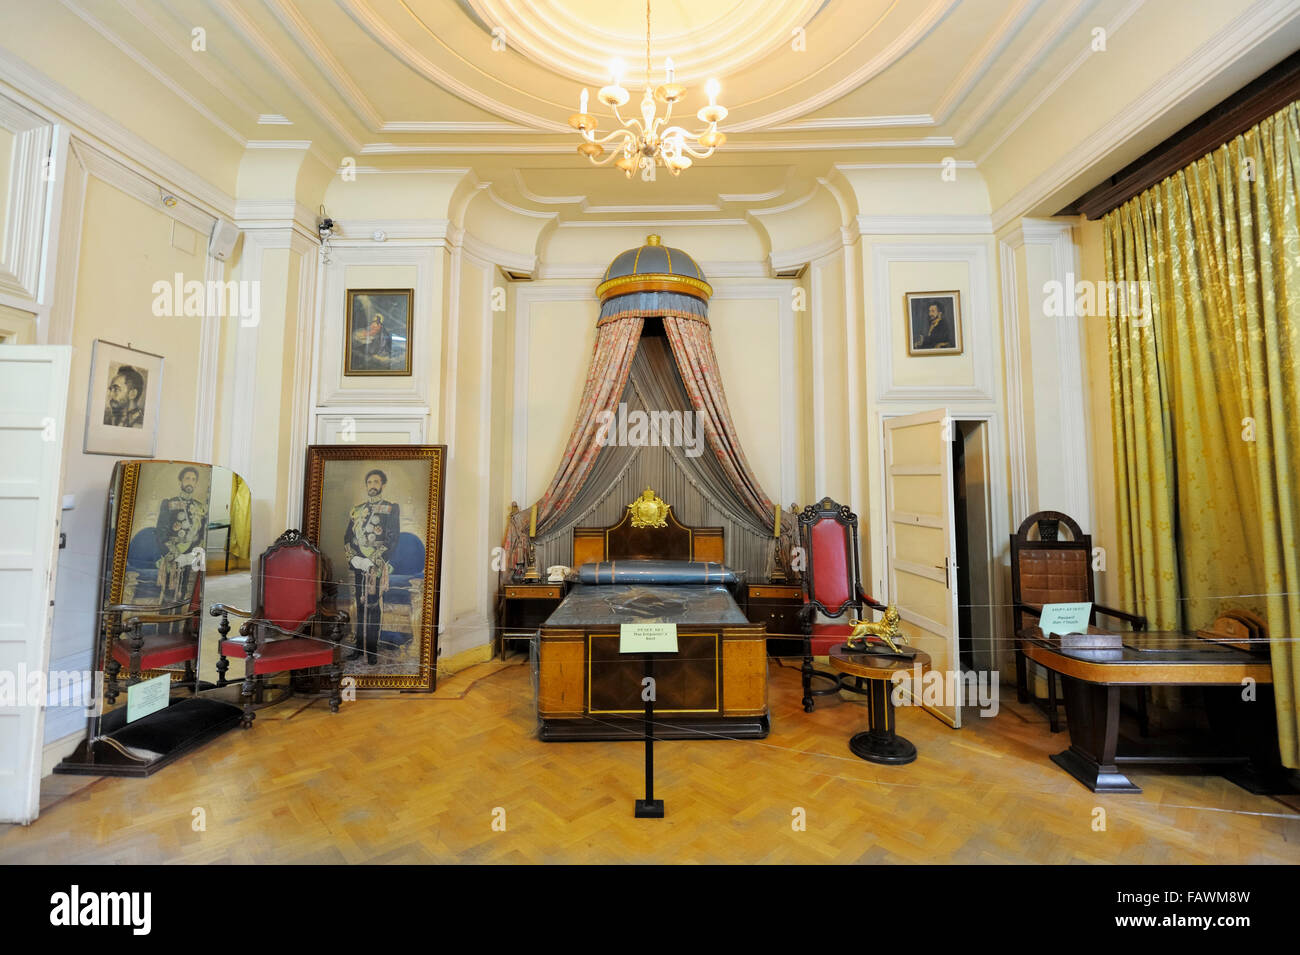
[[522, 608], [879, 744]]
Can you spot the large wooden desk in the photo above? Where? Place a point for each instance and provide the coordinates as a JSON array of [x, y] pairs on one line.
[[1243, 737], [715, 686]]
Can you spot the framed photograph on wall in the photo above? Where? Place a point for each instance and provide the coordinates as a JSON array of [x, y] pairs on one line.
[[123, 401], [378, 332], [375, 511], [933, 323]]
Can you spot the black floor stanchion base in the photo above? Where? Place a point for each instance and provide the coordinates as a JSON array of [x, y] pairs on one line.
[[649, 809], [887, 748]]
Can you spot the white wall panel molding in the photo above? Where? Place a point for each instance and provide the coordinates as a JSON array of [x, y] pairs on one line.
[[27, 206], [978, 332], [1016, 444], [333, 387], [925, 225], [526, 295]]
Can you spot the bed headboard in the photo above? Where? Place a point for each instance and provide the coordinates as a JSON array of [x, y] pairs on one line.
[[648, 530]]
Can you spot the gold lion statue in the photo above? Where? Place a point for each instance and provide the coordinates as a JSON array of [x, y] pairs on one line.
[[886, 631]]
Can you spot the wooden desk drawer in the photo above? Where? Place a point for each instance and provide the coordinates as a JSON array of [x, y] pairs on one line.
[[534, 592], [775, 592]]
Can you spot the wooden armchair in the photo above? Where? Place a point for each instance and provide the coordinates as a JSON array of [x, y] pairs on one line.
[[832, 582], [151, 636], [292, 627], [1047, 569]]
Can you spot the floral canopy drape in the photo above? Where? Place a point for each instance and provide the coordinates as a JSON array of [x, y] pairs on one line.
[[663, 283]]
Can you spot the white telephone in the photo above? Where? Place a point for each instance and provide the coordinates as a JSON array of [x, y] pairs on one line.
[[556, 573]]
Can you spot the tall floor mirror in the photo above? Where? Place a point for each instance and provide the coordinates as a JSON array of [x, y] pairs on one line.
[[176, 538]]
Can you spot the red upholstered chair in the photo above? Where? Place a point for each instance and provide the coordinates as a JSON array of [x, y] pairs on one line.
[[1050, 569], [832, 586], [293, 628], [151, 636]]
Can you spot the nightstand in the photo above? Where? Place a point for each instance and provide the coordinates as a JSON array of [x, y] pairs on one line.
[[778, 606], [523, 608]]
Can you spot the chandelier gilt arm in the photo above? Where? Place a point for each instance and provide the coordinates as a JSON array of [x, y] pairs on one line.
[[649, 140]]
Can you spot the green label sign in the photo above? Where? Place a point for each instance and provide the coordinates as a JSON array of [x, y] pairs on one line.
[[1065, 618], [148, 696], [647, 638]]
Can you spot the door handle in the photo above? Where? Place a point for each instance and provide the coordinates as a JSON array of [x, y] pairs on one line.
[[944, 568]]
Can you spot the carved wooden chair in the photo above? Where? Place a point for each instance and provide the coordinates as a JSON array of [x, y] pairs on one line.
[[151, 636], [293, 626], [1048, 569], [832, 586]]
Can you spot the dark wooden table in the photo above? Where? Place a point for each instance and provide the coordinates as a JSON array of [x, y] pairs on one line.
[[1243, 740], [880, 743]]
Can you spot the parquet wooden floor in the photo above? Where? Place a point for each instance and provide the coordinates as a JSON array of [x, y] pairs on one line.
[[418, 778]]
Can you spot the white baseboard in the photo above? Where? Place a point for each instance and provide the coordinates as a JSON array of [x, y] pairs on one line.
[[55, 751]]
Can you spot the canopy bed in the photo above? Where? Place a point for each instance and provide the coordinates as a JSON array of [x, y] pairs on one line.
[[648, 567]]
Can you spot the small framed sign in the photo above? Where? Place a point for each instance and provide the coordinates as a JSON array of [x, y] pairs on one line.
[[647, 638], [148, 696], [1065, 618]]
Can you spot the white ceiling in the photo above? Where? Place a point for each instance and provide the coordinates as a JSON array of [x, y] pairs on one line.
[[491, 83]]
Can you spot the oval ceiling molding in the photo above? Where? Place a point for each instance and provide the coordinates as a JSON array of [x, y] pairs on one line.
[[578, 38]]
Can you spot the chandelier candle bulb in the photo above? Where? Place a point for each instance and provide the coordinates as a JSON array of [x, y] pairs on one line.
[[650, 140]]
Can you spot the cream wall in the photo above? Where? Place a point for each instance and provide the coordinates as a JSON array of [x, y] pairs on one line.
[[1092, 268], [114, 295], [112, 84]]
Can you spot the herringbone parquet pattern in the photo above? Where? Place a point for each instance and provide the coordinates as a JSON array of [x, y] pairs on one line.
[[418, 778]]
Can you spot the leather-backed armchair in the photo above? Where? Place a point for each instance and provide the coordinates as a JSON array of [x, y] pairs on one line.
[[292, 627], [1051, 570], [832, 582]]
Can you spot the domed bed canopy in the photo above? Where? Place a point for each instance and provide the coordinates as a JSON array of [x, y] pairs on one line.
[[705, 476]]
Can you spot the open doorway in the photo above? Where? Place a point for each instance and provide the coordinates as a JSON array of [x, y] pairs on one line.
[[972, 516]]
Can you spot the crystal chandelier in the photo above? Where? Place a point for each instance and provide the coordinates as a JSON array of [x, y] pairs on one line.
[[641, 144]]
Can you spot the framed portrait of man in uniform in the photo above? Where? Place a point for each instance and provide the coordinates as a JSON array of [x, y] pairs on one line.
[[933, 323], [379, 332], [123, 401], [375, 512]]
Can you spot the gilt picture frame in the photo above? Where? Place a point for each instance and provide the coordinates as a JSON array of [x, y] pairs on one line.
[[377, 332], [376, 513], [933, 323]]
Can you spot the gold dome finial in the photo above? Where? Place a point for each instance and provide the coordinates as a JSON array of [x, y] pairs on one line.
[[652, 240]]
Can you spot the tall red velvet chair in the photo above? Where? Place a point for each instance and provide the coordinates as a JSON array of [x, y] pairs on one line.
[[152, 636], [293, 627], [832, 586]]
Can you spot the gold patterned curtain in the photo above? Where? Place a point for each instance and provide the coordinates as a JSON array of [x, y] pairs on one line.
[[1206, 398]]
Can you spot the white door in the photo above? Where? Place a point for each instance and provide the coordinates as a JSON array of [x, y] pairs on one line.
[[33, 406], [921, 548]]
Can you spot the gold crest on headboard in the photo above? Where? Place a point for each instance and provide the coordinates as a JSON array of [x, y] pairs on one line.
[[649, 510]]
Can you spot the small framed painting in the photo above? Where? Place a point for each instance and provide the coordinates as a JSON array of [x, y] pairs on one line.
[[378, 332], [122, 404], [933, 323]]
